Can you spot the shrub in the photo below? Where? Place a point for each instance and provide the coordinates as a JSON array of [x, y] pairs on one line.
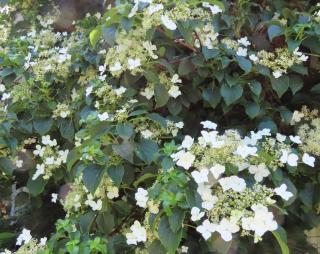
[[155, 127]]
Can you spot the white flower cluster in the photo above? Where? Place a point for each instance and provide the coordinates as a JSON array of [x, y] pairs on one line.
[[143, 201], [213, 152], [51, 157], [138, 234]]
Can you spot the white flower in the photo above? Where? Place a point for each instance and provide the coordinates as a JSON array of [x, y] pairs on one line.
[[89, 90], [244, 151], [24, 237], [217, 170], [43, 241], [112, 192], [184, 249], [174, 91], [282, 192], [116, 67], [232, 182], [213, 8], [179, 125], [168, 23], [176, 79], [200, 176], [104, 116], [187, 142], [2, 88], [243, 166], [253, 58], [146, 134], [242, 52], [209, 125], [133, 63], [54, 197], [226, 228], [277, 74], [47, 141], [5, 96], [296, 117], [309, 160], [300, 55], [211, 139], [281, 138], [134, 10], [63, 155], [141, 197], [137, 234], [244, 41], [290, 158], [95, 205], [119, 91], [259, 171], [39, 171], [19, 163], [153, 8], [148, 93], [196, 214], [295, 139], [206, 229], [208, 200], [50, 160], [261, 222], [183, 159]]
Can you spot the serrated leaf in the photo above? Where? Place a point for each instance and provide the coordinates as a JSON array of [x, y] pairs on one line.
[[274, 31], [125, 130], [244, 63], [295, 83], [92, 175], [161, 95], [147, 150], [280, 85], [252, 109], [125, 150], [176, 219], [170, 240], [231, 94]]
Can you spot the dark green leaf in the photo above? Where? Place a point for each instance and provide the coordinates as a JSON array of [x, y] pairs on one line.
[[147, 150], [42, 125], [244, 63], [169, 239], [125, 130], [125, 150], [280, 85], [116, 173], [176, 219], [296, 83], [161, 95], [274, 31], [281, 236], [6, 166], [252, 109], [231, 94], [92, 175]]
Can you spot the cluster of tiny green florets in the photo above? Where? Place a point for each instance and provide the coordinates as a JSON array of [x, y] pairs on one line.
[[229, 202], [279, 61], [31, 247], [310, 136]]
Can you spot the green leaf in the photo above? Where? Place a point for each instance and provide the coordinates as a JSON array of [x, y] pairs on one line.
[[176, 219], [185, 67], [286, 114], [116, 173], [252, 109], [156, 248], [169, 239], [231, 94], [219, 245], [315, 89], [274, 31], [67, 129], [36, 187], [255, 88], [161, 95], [85, 221], [6, 166], [212, 96], [105, 222], [296, 83], [125, 150], [244, 64], [72, 158], [147, 150], [42, 125], [95, 35], [109, 34], [209, 53], [92, 175], [281, 236], [125, 130], [280, 85]]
